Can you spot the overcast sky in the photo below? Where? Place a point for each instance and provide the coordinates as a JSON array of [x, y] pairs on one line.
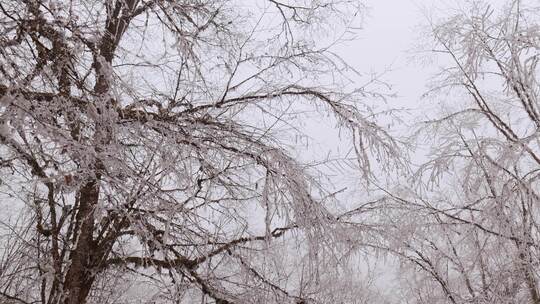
[[387, 40]]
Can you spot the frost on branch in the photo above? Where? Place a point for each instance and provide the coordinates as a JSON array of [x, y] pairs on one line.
[[475, 199], [144, 140]]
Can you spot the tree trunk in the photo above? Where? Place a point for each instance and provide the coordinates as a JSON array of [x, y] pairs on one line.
[[81, 275]]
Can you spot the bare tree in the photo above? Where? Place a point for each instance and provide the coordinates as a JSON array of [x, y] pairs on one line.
[[142, 150], [475, 237]]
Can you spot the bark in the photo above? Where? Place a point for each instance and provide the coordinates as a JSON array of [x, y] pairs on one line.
[[86, 257], [81, 273]]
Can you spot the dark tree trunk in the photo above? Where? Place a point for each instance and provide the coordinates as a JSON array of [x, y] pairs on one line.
[[81, 273]]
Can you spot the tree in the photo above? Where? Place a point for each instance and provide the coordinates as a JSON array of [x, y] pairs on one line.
[[139, 135], [476, 235]]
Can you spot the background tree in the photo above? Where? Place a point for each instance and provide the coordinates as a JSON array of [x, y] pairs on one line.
[[469, 229], [142, 150]]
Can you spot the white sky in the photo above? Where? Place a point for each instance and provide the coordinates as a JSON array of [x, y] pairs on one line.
[[387, 41]]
